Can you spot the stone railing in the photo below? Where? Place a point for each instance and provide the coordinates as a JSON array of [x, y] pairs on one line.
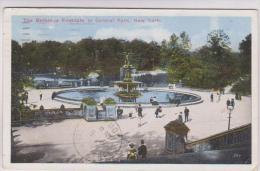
[[234, 138]]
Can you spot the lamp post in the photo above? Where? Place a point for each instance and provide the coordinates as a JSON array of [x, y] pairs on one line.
[[230, 108]]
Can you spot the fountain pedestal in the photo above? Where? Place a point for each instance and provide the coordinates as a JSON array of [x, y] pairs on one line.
[[128, 87]]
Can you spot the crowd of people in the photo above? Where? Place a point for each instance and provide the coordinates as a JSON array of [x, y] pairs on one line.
[[139, 111], [230, 104]]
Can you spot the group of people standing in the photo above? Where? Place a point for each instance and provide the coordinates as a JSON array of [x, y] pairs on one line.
[[186, 115], [140, 111], [230, 103], [212, 97], [134, 154]]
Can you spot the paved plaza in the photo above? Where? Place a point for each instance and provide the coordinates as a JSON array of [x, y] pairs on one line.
[[77, 140]]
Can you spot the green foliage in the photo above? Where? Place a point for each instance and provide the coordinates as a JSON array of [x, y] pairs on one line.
[[221, 62], [109, 101], [88, 55], [242, 86], [211, 66], [89, 101], [218, 40], [125, 94], [19, 80], [26, 113], [175, 57], [245, 55]]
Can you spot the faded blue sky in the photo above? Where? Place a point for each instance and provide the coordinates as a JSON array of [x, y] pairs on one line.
[[153, 28]]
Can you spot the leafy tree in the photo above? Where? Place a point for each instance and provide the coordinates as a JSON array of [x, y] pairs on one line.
[[245, 55], [220, 55], [19, 79], [175, 57], [243, 84]]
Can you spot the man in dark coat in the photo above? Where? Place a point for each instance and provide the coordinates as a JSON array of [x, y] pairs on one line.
[[142, 150], [180, 117], [53, 95], [186, 113], [140, 110], [158, 110], [211, 97], [40, 96], [232, 103], [228, 103]]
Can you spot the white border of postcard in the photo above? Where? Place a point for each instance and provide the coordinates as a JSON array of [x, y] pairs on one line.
[[8, 12]]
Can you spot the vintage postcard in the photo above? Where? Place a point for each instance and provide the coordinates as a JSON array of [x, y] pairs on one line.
[[88, 88]]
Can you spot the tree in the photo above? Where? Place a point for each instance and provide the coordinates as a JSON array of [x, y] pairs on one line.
[[243, 84], [219, 54], [245, 55], [18, 81], [211, 66], [175, 57]]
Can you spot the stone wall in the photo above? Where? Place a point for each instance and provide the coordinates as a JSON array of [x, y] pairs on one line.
[[234, 138]]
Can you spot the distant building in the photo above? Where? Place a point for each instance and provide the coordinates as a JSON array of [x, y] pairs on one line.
[[176, 133], [52, 82]]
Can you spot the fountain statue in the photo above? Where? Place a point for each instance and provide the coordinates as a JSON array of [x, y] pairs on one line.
[[128, 87]]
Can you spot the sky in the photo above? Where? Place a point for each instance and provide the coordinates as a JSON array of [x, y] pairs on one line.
[[147, 28]]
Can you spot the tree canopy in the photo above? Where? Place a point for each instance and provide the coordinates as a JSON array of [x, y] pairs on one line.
[[213, 65]]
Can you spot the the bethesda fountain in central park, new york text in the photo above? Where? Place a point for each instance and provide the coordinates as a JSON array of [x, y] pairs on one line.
[[128, 87]]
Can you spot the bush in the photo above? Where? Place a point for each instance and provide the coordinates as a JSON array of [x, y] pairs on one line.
[[242, 87], [109, 101], [41, 107], [62, 107], [89, 101], [124, 94]]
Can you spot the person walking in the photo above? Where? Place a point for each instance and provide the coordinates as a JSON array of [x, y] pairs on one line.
[[142, 150], [180, 117], [219, 96], [228, 103], [140, 110], [178, 102], [211, 97], [119, 112], [53, 95], [40, 96], [232, 103], [158, 110], [186, 113]]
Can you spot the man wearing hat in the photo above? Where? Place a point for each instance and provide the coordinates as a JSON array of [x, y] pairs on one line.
[[142, 150]]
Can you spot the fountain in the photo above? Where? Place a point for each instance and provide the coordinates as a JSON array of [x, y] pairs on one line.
[[126, 91], [128, 87]]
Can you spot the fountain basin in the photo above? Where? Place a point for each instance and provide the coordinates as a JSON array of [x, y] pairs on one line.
[[162, 96]]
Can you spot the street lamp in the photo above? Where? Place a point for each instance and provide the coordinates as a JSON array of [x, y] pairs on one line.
[[230, 108]]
